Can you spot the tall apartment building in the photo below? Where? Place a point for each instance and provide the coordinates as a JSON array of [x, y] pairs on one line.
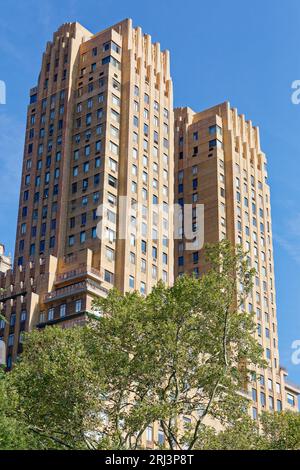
[[99, 128], [219, 163]]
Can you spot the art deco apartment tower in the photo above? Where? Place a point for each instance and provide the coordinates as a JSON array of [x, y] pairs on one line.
[[99, 126], [219, 163]]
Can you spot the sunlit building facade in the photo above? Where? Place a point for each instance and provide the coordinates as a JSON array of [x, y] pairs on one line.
[[219, 163], [97, 179]]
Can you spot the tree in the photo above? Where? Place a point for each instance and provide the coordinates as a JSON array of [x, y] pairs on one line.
[[57, 394], [13, 433], [272, 431], [281, 431], [182, 351], [242, 434]]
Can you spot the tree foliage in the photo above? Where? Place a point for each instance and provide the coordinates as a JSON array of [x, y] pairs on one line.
[[180, 352], [57, 392]]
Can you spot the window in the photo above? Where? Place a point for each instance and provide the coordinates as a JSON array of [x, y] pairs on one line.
[[215, 143], [131, 282], [78, 306], [270, 384], [115, 100], [113, 165], [82, 237], [279, 405], [114, 148], [85, 184], [180, 261], [149, 433], [114, 131], [195, 257], [112, 199], [116, 85], [143, 288], [11, 339], [161, 437], [96, 179], [262, 399], [109, 253], [62, 310], [254, 394], [110, 235], [51, 314], [98, 146], [87, 150], [108, 276], [112, 181], [145, 161], [23, 316], [135, 121], [215, 130], [42, 246], [112, 60], [115, 116], [144, 247], [290, 399]]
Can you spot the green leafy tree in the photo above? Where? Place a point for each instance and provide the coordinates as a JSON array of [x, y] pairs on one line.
[[182, 351], [241, 434], [13, 433], [57, 392], [281, 431], [272, 431]]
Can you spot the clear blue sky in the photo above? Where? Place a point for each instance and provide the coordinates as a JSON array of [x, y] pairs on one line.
[[244, 52]]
